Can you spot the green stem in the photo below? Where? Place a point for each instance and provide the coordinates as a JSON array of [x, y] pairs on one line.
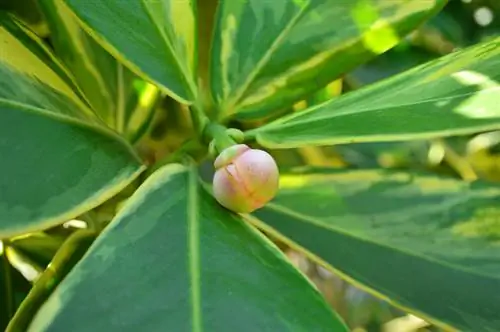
[[199, 118], [219, 135], [71, 251], [210, 131]]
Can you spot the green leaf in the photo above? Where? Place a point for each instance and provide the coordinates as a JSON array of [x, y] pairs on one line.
[[453, 95], [155, 39], [424, 243], [31, 75], [174, 259], [106, 83], [269, 54], [28, 11], [58, 160]]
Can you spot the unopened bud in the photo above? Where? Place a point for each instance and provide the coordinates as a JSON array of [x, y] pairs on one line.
[[245, 179]]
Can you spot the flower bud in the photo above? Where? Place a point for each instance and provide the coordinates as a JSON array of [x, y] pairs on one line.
[[245, 179]]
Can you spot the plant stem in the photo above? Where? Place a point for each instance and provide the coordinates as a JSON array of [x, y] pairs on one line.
[[458, 162], [208, 131], [199, 118], [70, 251], [8, 283], [219, 135]]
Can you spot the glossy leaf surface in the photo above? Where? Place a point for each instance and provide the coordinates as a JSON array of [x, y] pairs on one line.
[[106, 83], [427, 244], [174, 259], [269, 54], [453, 95], [155, 39], [58, 159]]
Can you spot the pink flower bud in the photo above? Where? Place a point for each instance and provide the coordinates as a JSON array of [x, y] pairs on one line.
[[245, 179]]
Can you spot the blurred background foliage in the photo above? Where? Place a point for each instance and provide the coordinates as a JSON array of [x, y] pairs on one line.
[[27, 259]]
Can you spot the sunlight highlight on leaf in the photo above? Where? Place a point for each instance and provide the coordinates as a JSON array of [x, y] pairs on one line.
[[399, 108], [298, 48], [377, 33], [292, 181], [335, 88], [143, 110], [488, 92], [380, 37]]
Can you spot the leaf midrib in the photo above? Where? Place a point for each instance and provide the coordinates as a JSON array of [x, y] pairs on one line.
[[193, 215], [238, 95], [104, 130], [307, 219], [363, 286], [185, 77], [350, 110]]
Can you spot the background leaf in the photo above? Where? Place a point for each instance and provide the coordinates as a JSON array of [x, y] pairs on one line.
[[455, 94], [174, 257], [425, 243], [156, 39], [58, 159], [269, 54], [29, 12], [106, 83]]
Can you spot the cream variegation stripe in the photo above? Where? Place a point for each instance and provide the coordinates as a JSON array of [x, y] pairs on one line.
[[17, 56], [120, 99], [193, 220], [227, 48], [184, 25], [73, 29], [281, 81], [157, 14], [380, 30], [230, 13], [237, 95]]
